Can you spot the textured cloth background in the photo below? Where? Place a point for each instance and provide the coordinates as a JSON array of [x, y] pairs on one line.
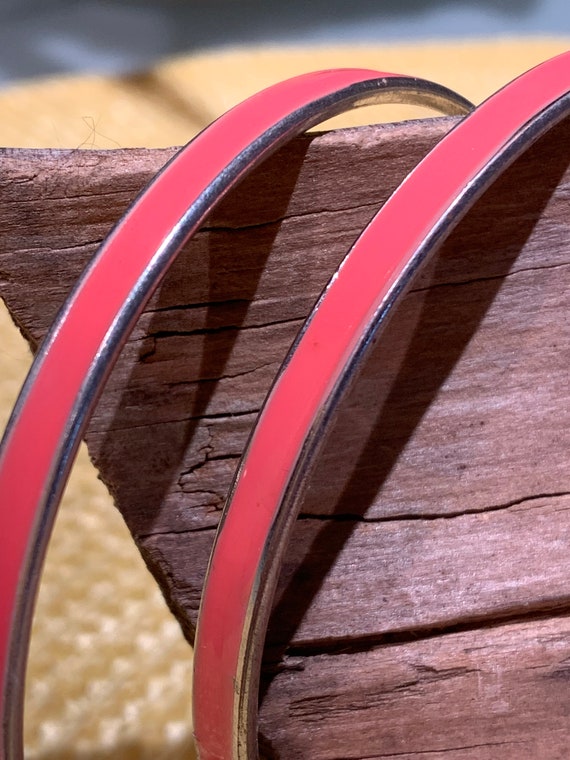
[[109, 672]]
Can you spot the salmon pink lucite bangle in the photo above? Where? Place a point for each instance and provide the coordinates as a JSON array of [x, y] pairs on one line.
[[79, 352], [261, 509]]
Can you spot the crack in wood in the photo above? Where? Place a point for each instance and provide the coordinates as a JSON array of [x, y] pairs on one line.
[[210, 458], [410, 754], [205, 380], [102, 192], [183, 532], [347, 517], [39, 249], [550, 610], [476, 280], [197, 305], [286, 218], [177, 420], [161, 334]]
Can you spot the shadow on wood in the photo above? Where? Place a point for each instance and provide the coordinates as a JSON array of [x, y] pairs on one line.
[[424, 604]]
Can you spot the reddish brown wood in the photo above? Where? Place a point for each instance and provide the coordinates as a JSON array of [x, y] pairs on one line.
[[423, 604], [474, 695]]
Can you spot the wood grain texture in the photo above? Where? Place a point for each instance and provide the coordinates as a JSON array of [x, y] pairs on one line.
[[422, 609]]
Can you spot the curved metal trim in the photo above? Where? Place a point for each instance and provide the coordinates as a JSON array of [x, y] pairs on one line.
[[351, 312], [79, 352]]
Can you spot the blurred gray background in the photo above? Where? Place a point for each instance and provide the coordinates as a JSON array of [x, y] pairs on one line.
[[42, 37]]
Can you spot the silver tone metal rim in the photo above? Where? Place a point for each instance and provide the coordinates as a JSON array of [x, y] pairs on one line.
[[373, 91]]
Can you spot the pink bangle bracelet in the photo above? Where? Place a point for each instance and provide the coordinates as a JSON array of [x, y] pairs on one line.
[[78, 354], [261, 509]]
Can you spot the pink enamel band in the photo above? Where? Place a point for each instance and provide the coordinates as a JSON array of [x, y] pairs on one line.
[[261, 509], [79, 352]]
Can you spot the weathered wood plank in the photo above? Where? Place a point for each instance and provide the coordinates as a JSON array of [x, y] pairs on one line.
[[473, 695], [441, 499], [420, 574]]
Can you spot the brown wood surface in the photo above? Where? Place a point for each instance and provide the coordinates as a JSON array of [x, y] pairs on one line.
[[424, 607]]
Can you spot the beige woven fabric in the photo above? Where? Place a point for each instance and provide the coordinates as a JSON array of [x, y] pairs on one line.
[[109, 673]]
